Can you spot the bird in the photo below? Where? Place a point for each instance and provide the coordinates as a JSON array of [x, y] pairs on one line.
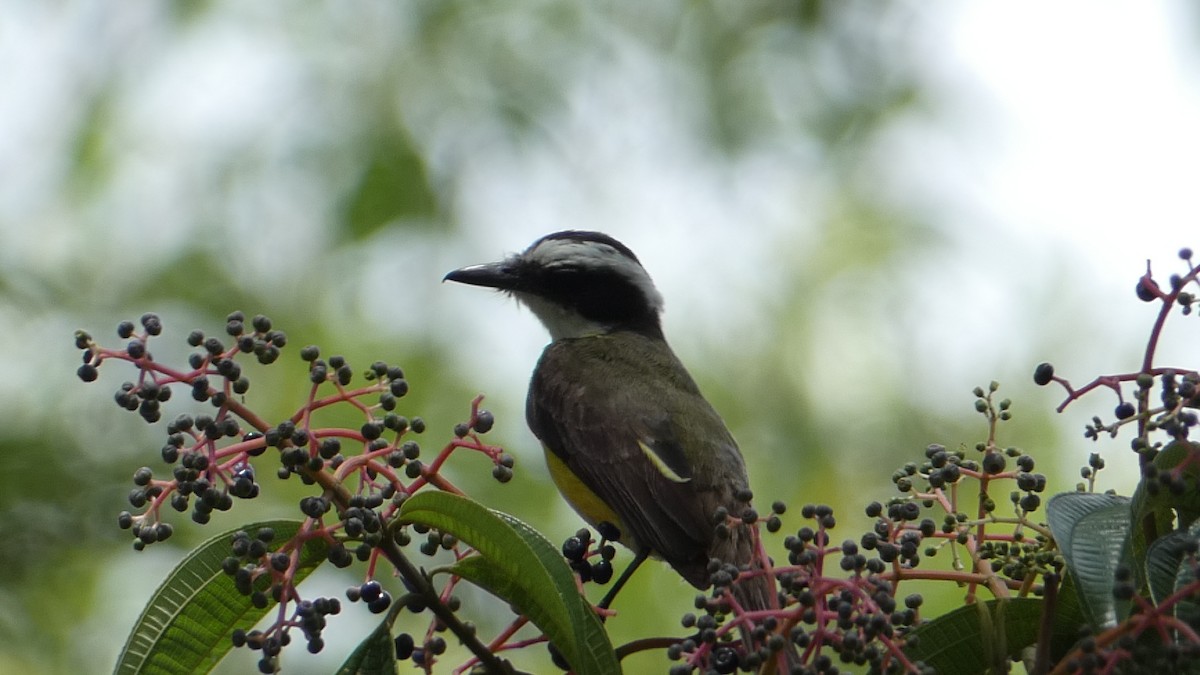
[[629, 439]]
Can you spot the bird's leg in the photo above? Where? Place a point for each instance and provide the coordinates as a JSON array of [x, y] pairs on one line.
[[612, 593]]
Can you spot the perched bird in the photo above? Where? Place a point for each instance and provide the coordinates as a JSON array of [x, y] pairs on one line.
[[628, 437]]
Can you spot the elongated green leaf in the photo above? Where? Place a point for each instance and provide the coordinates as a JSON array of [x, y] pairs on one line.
[[1162, 563], [1188, 610], [1155, 511], [1169, 570], [1092, 530], [590, 635], [526, 570], [972, 639], [1069, 620], [491, 578], [185, 628]]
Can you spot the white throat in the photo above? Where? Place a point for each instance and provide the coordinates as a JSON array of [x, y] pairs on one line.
[[560, 321]]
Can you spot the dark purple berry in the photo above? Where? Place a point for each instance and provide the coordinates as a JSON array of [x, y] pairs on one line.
[[484, 421], [993, 462], [1043, 374], [1147, 289], [152, 324]]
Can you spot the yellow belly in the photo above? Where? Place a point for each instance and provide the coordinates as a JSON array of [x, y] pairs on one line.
[[580, 496]]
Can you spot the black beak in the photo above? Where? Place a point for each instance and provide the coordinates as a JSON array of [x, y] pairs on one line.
[[499, 275]]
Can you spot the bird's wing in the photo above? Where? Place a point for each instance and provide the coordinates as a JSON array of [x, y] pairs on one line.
[[625, 440]]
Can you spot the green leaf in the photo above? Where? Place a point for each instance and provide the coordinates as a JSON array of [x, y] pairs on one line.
[[1092, 530], [1187, 503], [185, 628], [394, 185], [1162, 563], [1069, 620], [376, 655], [522, 567], [977, 637], [1168, 570], [1155, 512]]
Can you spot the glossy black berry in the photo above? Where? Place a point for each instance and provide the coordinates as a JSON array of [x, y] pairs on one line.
[[602, 572], [136, 349], [404, 646], [574, 549], [152, 324], [398, 388], [1043, 374], [484, 421], [371, 430], [724, 660], [994, 462], [379, 605]]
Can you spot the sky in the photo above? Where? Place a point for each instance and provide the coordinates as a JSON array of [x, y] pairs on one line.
[[1083, 150], [1091, 109]]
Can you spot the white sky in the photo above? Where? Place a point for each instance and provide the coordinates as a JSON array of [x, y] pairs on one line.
[[1093, 109]]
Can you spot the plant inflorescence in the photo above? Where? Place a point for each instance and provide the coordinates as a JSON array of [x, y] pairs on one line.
[[1081, 582], [842, 603], [359, 476], [838, 603], [1156, 579]]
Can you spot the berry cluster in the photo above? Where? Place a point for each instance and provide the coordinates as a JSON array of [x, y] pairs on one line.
[[372, 593], [1173, 413], [825, 620], [218, 456], [1158, 638], [144, 398], [406, 648], [379, 600], [964, 490], [1158, 404], [840, 604], [578, 549], [834, 604], [266, 575]]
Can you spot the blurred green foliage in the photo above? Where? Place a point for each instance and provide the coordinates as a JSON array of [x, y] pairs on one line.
[[216, 156]]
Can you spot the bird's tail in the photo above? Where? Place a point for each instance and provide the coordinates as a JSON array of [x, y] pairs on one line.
[[754, 589]]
